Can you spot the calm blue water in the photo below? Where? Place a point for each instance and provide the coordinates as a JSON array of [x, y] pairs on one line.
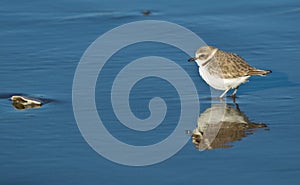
[[42, 43]]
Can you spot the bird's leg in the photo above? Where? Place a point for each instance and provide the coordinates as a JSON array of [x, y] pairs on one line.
[[234, 92], [233, 99], [224, 93]]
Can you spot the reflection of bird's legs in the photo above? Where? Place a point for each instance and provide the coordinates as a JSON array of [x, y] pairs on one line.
[[237, 106], [224, 92], [221, 100]]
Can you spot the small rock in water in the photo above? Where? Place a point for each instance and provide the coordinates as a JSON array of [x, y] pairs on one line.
[[23, 102], [146, 12]]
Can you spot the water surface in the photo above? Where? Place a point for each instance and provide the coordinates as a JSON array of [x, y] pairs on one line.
[[41, 45]]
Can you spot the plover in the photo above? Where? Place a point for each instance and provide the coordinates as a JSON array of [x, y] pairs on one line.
[[223, 70]]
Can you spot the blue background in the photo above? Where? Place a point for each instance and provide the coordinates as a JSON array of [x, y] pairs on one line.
[[41, 43]]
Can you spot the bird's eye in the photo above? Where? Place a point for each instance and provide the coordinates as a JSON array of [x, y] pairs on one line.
[[202, 55]]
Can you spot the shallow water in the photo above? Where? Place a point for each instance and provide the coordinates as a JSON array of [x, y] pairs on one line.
[[42, 43]]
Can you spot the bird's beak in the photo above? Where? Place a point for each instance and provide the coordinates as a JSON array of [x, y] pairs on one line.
[[192, 59]]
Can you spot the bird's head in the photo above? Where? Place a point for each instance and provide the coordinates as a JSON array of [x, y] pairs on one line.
[[203, 55]]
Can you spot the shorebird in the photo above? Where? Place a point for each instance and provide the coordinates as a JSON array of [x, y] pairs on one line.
[[224, 70]]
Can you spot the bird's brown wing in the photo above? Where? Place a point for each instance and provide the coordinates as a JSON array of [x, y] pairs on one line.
[[229, 65]]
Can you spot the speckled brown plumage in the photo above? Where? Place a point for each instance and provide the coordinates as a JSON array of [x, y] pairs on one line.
[[230, 65]]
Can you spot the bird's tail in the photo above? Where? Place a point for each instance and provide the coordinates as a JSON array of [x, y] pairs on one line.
[[259, 72]]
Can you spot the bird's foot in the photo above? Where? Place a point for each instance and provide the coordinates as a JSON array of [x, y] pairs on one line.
[[233, 96]]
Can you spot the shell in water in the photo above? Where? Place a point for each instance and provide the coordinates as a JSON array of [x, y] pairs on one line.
[[23, 102]]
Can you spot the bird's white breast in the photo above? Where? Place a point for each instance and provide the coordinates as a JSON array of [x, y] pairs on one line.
[[220, 83]]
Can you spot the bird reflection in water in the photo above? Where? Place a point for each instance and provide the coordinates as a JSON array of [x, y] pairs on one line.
[[220, 125]]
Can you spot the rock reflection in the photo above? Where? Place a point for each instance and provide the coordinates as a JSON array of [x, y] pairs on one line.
[[220, 125]]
